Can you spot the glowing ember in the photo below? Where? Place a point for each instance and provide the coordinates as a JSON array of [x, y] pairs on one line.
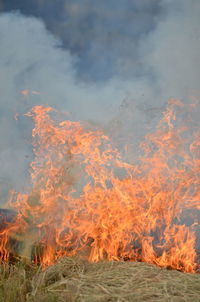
[[26, 92], [87, 200]]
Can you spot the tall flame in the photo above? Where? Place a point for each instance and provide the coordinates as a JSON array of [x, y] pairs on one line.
[[85, 199]]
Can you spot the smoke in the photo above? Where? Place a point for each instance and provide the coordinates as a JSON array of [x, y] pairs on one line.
[[96, 31], [171, 51], [165, 62]]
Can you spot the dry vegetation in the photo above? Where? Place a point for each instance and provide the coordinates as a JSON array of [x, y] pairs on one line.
[[72, 279]]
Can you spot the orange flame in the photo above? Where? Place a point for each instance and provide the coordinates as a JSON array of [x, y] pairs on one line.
[[87, 200]]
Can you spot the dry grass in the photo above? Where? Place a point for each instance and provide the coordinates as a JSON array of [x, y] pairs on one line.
[[73, 279]]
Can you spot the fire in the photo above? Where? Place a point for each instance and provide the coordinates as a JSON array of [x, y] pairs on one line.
[[87, 200]]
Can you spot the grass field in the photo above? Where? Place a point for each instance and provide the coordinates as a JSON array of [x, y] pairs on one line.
[[73, 279]]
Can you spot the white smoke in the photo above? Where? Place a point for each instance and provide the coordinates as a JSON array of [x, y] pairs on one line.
[[172, 51], [31, 58]]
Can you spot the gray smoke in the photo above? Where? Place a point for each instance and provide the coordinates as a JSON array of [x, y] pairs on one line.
[[104, 35], [32, 58]]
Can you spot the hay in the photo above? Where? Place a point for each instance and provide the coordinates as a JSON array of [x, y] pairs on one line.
[[73, 279]]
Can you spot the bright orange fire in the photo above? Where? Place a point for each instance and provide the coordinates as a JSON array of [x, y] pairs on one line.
[[86, 200]]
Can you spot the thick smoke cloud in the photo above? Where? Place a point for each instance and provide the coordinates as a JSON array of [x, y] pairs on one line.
[[172, 51], [32, 58], [104, 35]]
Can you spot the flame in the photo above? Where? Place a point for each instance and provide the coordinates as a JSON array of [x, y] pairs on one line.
[[86, 199]]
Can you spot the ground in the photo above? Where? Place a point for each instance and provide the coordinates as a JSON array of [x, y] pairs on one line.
[[73, 279]]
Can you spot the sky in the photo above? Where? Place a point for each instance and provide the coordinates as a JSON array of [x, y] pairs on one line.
[[92, 59]]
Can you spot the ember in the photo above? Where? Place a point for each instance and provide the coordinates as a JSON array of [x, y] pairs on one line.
[[87, 200]]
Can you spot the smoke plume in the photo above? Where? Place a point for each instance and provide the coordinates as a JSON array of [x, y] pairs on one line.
[[117, 80]]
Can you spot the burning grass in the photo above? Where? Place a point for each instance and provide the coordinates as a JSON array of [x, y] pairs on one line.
[[73, 279], [86, 199]]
